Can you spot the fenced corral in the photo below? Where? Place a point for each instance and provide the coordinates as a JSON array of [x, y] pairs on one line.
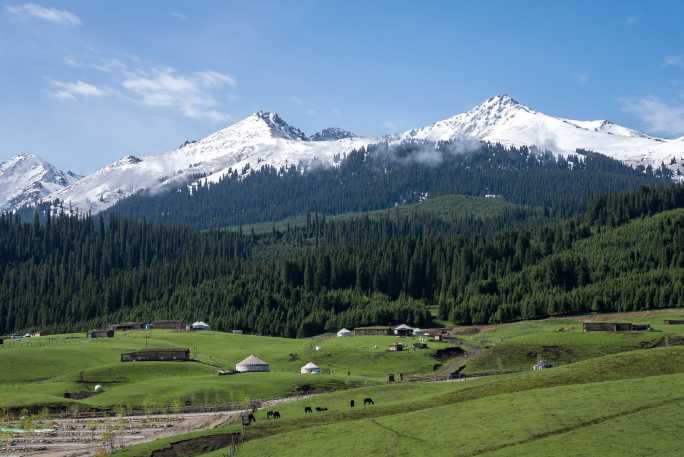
[[65, 437]]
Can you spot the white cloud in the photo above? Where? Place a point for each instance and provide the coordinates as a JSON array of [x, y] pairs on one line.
[[312, 112], [178, 15], [105, 65], [70, 90], [659, 117], [190, 94], [53, 15], [674, 61], [296, 100], [215, 79]]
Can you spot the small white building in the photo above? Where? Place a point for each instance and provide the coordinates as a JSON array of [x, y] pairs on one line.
[[199, 325], [403, 330], [344, 332], [310, 368], [252, 364]]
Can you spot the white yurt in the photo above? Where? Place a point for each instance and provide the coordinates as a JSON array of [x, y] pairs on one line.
[[199, 325], [310, 368], [403, 330], [344, 332], [251, 364]]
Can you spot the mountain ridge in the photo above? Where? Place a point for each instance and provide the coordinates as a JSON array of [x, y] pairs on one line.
[[265, 139]]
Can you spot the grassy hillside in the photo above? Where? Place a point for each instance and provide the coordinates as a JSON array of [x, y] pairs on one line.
[[446, 207], [502, 414], [39, 371]]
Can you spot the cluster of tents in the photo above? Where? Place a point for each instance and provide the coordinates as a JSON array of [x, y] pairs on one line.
[[254, 364]]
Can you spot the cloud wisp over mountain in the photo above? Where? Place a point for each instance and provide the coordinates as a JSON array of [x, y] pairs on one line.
[[52, 15]]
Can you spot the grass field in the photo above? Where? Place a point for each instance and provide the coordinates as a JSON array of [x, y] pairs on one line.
[[40, 370], [604, 388], [499, 415]]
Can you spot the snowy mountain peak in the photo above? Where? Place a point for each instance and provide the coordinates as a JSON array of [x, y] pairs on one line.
[[278, 126], [332, 134], [26, 178]]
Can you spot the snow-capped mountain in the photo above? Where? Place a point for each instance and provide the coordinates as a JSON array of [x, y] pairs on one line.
[[26, 178], [261, 139], [502, 119], [264, 138]]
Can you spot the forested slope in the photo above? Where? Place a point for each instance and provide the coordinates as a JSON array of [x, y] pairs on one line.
[[625, 252]]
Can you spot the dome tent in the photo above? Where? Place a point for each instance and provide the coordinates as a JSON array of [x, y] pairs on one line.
[[251, 364], [310, 368], [200, 325], [344, 332]]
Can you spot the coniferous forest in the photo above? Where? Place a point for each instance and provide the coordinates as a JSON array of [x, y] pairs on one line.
[[592, 235]]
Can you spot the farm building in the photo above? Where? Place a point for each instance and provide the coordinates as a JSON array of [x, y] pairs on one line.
[[157, 354], [403, 330], [169, 325], [101, 333], [613, 327], [437, 334], [199, 325], [419, 332], [344, 332], [310, 368], [127, 326], [236, 332], [541, 365], [373, 331], [251, 364]]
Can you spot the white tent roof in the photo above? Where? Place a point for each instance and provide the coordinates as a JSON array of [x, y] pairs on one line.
[[344, 330], [310, 365], [404, 327], [200, 324], [252, 360]]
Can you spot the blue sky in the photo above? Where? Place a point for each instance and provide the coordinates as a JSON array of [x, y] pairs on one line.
[[83, 82]]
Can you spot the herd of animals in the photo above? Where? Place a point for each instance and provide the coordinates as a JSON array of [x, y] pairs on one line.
[[275, 415]]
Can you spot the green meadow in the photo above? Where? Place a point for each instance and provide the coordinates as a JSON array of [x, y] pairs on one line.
[[603, 391]]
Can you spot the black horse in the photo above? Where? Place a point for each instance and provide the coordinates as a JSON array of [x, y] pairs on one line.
[[276, 414], [352, 404], [320, 409], [269, 414], [308, 410], [251, 418], [368, 401]]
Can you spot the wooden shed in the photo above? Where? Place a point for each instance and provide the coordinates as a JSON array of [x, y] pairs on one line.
[[169, 325], [127, 326], [101, 333], [157, 355], [373, 331], [614, 327]]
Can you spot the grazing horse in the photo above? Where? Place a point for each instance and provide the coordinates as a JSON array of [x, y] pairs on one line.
[[308, 410], [321, 409], [251, 418], [269, 414], [368, 401], [352, 404], [276, 414]]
